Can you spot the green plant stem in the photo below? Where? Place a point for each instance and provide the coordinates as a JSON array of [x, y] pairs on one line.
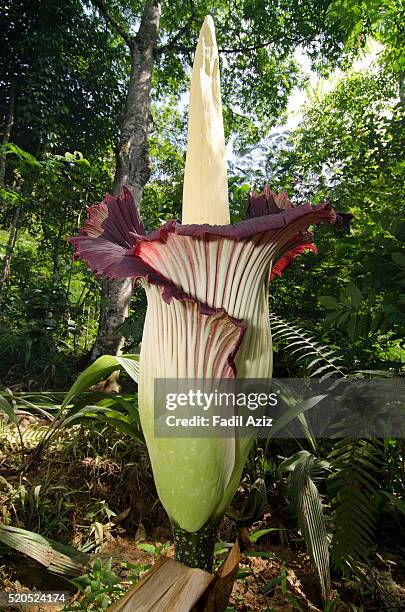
[[196, 549]]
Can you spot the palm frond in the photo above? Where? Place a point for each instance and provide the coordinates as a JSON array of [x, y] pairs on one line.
[[308, 506], [314, 358], [56, 557]]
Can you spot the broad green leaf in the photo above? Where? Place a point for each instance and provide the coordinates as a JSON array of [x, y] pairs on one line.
[[149, 548], [102, 368], [329, 302], [354, 294], [253, 537], [130, 363]]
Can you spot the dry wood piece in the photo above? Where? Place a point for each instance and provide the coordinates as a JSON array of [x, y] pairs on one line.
[[216, 596], [169, 586]]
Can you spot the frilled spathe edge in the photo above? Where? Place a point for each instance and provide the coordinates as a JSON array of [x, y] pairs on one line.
[[109, 243], [244, 230]]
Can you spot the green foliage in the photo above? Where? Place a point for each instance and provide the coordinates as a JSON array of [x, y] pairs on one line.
[[8, 410], [42, 316], [347, 147], [308, 506], [350, 502], [155, 549], [66, 65], [352, 488], [312, 358], [98, 587], [381, 19], [118, 411], [102, 368], [346, 313]]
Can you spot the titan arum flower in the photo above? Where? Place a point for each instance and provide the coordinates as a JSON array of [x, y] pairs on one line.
[[207, 284]]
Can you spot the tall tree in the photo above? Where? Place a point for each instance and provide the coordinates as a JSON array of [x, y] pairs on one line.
[[132, 161]]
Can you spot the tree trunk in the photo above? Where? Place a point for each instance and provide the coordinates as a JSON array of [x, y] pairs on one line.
[[8, 127], [132, 167], [5, 265], [12, 238]]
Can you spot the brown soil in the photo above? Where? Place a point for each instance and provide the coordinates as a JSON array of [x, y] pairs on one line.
[[74, 482]]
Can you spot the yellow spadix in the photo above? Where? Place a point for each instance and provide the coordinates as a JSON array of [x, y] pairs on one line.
[[205, 192]]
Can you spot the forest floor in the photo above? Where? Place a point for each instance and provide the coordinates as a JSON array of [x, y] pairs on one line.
[[93, 492]]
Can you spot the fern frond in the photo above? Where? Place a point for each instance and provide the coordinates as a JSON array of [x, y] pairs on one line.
[[316, 358], [33, 435], [352, 487]]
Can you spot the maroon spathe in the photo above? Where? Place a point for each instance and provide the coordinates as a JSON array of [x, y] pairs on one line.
[[110, 243]]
